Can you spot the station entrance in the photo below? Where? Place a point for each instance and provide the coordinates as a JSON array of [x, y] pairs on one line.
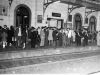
[[22, 16]]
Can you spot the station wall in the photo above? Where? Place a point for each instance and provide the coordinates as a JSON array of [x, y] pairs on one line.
[[36, 7]]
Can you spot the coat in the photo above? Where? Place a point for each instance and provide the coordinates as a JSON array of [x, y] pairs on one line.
[[16, 32], [98, 39], [4, 36]]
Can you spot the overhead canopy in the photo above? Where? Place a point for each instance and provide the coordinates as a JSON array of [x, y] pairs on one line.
[[84, 3]]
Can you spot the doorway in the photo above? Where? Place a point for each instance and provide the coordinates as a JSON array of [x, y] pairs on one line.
[[92, 24], [22, 16], [77, 22], [92, 28]]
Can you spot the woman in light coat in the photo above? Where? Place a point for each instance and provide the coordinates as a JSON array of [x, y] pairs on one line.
[[98, 39], [42, 36]]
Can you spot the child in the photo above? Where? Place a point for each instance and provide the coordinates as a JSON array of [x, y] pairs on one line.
[[4, 38]]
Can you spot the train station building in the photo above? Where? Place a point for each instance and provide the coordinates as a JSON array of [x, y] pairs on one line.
[[74, 14]]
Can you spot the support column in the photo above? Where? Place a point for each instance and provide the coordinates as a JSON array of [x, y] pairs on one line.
[[98, 22]]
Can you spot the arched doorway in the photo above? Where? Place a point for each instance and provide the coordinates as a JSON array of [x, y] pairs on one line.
[[22, 16], [92, 24], [92, 28], [77, 22]]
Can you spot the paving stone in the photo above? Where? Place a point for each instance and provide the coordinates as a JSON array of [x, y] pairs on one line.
[[7, 65], [43, 60], [64, 57], [1, 66], [51, 59], [16, 63], [57, 58], [36, 61], [24, 62]]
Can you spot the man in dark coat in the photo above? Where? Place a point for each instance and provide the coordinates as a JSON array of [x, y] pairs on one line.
[[46, 36], [10, 35], [54, 37], [24, 37], [0, 35], [33, 38], [60, 38], [78, 38], [86, 38]]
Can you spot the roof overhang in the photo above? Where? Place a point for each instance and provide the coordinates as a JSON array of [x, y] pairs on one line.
[[82, 3]]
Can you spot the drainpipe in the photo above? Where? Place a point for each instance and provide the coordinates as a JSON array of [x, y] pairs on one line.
[[9, 7], [35, 12]]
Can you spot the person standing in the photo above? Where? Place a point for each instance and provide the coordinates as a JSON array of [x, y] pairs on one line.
[[64, 38], [98, 39], [10, 36], [33, 38], [50, 37], [69, 36], [37, 38], [78, 37], [83, 37], [39, 30], [24, 38], [86, 38], [4, 38], [0, 35], [66, 32], [18, 33], [13, 37], [42, 35], [54, 37], [73, 34], [46, 36], [60, 37]]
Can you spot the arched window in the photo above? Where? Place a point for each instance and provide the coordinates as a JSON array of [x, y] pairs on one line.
[[78, 22], [92, 25]]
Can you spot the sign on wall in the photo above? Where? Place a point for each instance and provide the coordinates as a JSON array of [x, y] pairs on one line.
[[56, 14], [3, 10], [39, 18]]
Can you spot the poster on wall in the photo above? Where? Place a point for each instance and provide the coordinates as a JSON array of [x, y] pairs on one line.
[[53, 23], [3, 10], [39, 18], [69, 25], [59, 24]]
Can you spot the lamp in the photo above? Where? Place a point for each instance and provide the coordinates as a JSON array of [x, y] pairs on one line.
[[10, 2]]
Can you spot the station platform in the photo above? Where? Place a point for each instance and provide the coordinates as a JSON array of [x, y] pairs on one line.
[[45, 51], [42, 60]]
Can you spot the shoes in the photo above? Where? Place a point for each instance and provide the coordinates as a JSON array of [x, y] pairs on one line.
[[23, 47], [10, 44]]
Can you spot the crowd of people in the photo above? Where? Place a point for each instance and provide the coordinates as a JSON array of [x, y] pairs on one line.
[[44, 36]]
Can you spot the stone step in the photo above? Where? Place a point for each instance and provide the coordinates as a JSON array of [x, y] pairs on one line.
[[42, 52]]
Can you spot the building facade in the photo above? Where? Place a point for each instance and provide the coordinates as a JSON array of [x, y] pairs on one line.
[[36, 13]]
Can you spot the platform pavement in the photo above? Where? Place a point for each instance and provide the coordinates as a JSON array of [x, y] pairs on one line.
[[42, 52]]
